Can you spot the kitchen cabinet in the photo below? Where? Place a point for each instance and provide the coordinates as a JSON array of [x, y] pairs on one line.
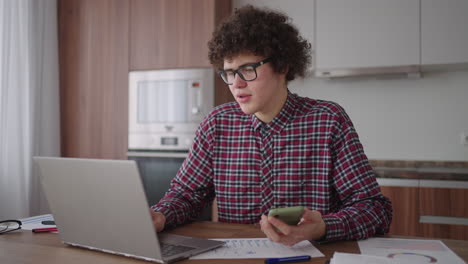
[[172, 33], [444, 36], [93, 49], [444, 212], [428, 208], [366, 34], [405, 202]]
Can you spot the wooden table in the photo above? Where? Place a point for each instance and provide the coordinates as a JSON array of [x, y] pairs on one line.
[[27, 247]]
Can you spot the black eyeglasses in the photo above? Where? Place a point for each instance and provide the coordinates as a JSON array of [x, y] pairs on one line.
[[247, 72], [9, 225]]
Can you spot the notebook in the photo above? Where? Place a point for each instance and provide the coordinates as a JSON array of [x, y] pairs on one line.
[[101, 205]]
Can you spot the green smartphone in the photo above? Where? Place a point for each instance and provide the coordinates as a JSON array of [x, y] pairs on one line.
[[289, 215]]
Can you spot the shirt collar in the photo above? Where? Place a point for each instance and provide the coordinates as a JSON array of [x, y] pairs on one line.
[[282, 119]]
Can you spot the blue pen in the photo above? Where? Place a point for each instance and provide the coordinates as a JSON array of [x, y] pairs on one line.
[[286, 260]]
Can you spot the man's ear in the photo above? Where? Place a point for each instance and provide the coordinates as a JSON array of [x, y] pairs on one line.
[[285, 72]]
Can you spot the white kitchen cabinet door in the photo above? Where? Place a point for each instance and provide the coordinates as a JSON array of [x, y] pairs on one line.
[[444, 31], [367, 33]]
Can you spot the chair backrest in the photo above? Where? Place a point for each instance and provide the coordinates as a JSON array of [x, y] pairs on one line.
[[214, 211]]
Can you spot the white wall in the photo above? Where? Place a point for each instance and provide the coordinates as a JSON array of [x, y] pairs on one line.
[[397, 119]]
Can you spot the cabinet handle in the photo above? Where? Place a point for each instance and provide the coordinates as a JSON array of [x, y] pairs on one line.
[[444, 220], [158, 154]]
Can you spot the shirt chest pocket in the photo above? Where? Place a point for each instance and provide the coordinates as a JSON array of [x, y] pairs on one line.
[[300, 186], [289, 190]]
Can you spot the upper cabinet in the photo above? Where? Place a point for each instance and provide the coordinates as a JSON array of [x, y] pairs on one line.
[[173, 33], [444, 32], [366, 35]]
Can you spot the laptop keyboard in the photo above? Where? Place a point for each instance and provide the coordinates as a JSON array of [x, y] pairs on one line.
[[171, 249]]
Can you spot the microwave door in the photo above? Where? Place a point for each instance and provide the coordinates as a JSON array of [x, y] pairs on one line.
[[177, 110], [162, 102]]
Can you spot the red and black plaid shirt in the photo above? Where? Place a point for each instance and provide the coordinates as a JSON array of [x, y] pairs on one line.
[[308, 155]]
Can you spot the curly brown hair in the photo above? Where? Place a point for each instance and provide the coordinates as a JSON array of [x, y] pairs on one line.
[[262, 32]]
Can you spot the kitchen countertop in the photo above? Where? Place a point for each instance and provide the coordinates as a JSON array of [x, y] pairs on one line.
[[421, 170]]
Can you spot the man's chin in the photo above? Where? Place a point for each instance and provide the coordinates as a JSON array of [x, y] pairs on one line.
[[247, 110]]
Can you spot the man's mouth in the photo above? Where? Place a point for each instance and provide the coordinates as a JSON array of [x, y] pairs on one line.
[[243, 98], [243, 95]]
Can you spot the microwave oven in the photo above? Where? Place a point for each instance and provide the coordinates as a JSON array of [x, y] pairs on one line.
[[166, 107]]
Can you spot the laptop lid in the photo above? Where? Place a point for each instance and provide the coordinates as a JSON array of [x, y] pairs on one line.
[[101, 205]]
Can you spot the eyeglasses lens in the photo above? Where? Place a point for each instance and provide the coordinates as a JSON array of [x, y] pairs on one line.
[[248, 73], [8, 226]]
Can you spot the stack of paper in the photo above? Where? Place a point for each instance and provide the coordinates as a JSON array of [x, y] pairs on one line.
[[340, 258], [31, 223], [398, 251], [242, 248], [409, 251]]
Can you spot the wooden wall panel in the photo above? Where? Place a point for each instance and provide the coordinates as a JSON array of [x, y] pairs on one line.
[[93, 46], [405, 201]]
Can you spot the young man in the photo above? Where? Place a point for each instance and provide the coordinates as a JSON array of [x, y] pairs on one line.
[[271, 148]]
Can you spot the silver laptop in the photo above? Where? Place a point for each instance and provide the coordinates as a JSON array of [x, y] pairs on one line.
[[101, 205]]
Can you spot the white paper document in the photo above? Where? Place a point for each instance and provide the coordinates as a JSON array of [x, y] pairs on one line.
[[347, 258], [409, 251], [242, 248], [31, 223]]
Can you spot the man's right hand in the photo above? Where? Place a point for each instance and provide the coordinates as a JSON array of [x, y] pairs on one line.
[[311, 227], [159, 220]]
